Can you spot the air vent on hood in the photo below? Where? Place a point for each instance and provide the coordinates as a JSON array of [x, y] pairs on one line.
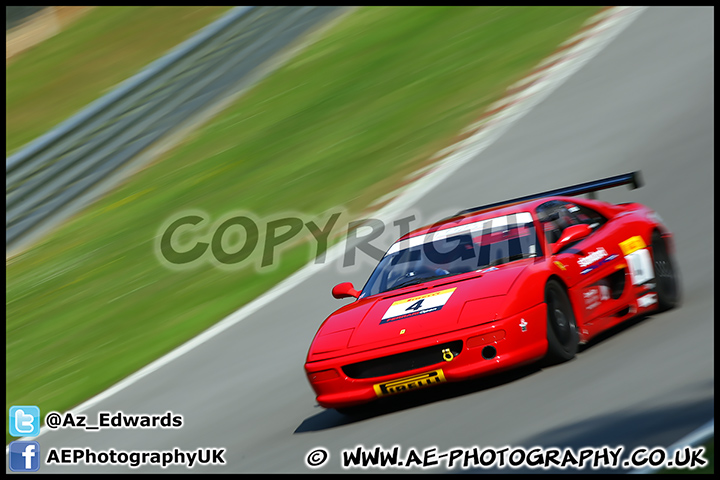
[[457, 280], [400, 292]]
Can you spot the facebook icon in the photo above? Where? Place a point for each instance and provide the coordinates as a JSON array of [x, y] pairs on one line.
[[24, 456]]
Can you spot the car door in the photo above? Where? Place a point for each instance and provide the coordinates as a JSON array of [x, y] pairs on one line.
[[593, 267]]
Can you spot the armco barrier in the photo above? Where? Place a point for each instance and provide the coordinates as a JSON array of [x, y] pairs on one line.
[[67, 166]]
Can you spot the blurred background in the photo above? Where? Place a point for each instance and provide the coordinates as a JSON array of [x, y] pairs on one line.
[[118, 118], [338, 126]]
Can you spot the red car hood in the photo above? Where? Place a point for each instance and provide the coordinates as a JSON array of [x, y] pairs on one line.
[[416, 311]]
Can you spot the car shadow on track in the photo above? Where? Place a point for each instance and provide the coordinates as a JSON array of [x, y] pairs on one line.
[[330, 418], [616, 330]]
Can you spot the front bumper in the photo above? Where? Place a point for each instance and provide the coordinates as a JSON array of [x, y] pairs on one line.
[[517, 340]]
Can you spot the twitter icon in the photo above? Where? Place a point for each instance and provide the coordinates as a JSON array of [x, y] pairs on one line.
[[24, 421]]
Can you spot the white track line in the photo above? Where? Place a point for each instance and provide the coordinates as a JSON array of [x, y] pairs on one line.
[[468, 149]]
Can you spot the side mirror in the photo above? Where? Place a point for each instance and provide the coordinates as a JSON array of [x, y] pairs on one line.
[[345, 290], [571, 235]]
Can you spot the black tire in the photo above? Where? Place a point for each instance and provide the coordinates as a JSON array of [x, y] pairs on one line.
[[665, 274], [562, 332]]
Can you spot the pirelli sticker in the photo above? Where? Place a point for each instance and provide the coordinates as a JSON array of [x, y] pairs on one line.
[[410, 307], [409, 383]]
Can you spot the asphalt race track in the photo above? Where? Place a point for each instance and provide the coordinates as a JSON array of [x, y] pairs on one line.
[[644, 103]]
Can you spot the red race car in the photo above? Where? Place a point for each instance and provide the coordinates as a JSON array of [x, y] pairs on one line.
[[493, 288]]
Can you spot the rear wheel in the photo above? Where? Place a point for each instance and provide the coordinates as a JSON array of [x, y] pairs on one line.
[[665, 276], [562, 332]]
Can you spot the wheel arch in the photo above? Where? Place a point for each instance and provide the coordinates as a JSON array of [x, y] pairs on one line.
[[571, 294]]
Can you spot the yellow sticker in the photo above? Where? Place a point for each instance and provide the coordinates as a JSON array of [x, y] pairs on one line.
[[410, 307], [427, 295], [632, 244]]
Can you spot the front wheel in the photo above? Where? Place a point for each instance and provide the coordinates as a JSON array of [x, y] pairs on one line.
[[562, 332]]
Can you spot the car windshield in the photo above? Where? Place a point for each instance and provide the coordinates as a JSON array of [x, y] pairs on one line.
[[454, 250]]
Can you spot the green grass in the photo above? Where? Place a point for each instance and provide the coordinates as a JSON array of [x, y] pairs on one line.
[[335, 128], [59, 76]]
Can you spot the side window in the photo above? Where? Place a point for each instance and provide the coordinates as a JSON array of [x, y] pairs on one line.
[[588, 216], [555, 216]]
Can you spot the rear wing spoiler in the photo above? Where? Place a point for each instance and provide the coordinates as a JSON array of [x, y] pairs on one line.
[[633, 179]]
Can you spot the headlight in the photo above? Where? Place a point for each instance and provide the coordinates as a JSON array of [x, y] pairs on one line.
[[332, 341]]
